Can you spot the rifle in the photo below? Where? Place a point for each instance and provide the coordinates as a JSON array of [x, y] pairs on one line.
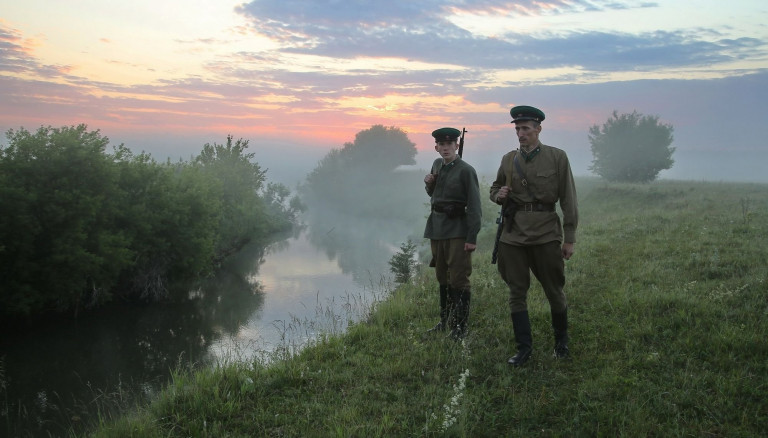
[[500, 221], [461, 141]]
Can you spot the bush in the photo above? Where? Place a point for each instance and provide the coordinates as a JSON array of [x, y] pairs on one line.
[[631, 148], [79, 225], [403, 264]]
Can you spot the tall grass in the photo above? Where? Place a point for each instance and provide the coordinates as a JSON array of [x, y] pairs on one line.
[[669, 321]]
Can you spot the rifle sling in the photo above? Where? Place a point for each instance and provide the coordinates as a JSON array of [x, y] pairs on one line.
[[523, 178]]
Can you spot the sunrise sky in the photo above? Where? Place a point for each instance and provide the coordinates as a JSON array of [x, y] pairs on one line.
[[300, 77]]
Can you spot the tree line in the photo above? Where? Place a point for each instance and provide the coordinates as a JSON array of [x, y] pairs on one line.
[[81, 226]]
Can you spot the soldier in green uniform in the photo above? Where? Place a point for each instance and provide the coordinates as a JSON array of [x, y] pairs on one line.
[[529, 182], [452, 228]]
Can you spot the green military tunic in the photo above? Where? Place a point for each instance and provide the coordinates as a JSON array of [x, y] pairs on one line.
[[533, 242], [456, 183], [549, 178]]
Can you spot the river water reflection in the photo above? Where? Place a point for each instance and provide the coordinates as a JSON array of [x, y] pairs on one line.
[[307, 292], [264, 298]]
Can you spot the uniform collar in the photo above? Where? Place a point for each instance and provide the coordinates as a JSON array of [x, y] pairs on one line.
[[452, 162], [529, 155]]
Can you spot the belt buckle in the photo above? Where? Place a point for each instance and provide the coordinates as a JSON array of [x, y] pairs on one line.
[[528, 207]]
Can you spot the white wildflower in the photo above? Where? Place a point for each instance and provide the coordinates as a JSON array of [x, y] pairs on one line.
[[452, 409]]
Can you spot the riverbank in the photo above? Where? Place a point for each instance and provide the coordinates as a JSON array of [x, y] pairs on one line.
[[668, 326]]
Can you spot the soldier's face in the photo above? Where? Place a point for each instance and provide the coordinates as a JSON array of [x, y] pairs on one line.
[[527, 133], [447, 149]]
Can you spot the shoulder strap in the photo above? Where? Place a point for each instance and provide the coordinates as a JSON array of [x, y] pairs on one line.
[[523, 179], [436, 165]]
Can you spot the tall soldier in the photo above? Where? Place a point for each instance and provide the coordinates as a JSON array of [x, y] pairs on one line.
[[529, 182], [452, 228]]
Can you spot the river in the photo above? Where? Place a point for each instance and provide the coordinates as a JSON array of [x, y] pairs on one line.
[[263, 302]]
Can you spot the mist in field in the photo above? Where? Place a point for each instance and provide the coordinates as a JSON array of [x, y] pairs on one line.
[[290, 164], [689, 165]]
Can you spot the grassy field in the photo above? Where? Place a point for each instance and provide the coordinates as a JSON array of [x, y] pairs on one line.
[[669, 327]]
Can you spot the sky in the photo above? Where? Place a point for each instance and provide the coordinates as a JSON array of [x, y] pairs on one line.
[[298, 78]]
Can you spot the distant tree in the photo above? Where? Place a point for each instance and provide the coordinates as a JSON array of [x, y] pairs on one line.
[[381, 148], [358, 177], [375, 151], [631, 148]]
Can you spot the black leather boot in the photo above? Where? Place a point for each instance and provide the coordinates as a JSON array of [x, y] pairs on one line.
[[459, 330], [560, 327], [440, 326], [522, 327], [454, 296]]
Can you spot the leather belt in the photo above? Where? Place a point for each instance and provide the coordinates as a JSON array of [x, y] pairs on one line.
[[535, 206], [446, 209]]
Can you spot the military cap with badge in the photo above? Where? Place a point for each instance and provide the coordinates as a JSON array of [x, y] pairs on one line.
[[446, 134], [523, 113]]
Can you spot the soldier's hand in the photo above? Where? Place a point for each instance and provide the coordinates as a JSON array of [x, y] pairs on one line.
[[502, 193], [469, 247], [429, 179], [567, 250]]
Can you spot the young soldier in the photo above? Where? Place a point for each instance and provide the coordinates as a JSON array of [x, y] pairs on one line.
[[528, 183], [452, 228]]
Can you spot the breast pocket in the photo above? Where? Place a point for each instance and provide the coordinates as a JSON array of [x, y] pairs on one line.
[[547, 180], [453, 186]]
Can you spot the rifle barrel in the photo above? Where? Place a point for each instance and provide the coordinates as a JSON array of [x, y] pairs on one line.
[[500, 221]]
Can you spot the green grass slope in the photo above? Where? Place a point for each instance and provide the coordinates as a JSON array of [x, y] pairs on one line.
[[669, 321]]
